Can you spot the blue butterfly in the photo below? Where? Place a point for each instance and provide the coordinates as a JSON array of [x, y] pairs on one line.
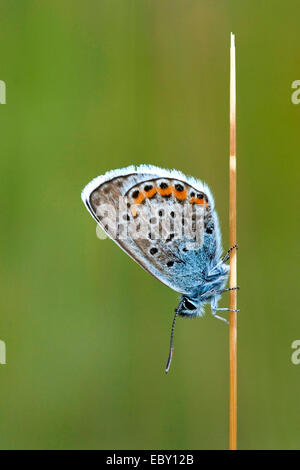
[[167, 223]]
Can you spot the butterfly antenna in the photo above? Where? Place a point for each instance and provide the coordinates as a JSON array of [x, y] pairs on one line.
[[171, 345]]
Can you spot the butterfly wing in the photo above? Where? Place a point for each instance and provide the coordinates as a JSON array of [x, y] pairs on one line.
[[164, 220]]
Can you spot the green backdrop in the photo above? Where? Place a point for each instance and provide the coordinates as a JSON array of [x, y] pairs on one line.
[[103, 84]]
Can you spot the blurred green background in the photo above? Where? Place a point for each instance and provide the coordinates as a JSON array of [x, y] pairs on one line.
[[103, 84]]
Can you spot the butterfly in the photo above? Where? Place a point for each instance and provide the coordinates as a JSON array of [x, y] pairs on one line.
[[168, 224]]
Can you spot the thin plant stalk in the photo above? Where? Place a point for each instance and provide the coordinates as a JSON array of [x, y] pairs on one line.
[[233, 257]]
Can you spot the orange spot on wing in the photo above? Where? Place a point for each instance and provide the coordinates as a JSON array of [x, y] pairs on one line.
[[181, 195], [150, 193], [195, 200], [140, 198], [165, 192]]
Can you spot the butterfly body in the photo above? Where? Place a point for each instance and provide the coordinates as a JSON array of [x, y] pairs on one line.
[[207, 292], [167, 223]]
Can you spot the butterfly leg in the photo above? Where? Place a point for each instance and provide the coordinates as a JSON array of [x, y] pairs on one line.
[[228, 309], [213, 311], [227, 255], [217, 292], [214, 308], [221, 262], [228, 289]]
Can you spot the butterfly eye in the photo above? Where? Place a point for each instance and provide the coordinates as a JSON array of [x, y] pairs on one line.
[[188, 305]]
